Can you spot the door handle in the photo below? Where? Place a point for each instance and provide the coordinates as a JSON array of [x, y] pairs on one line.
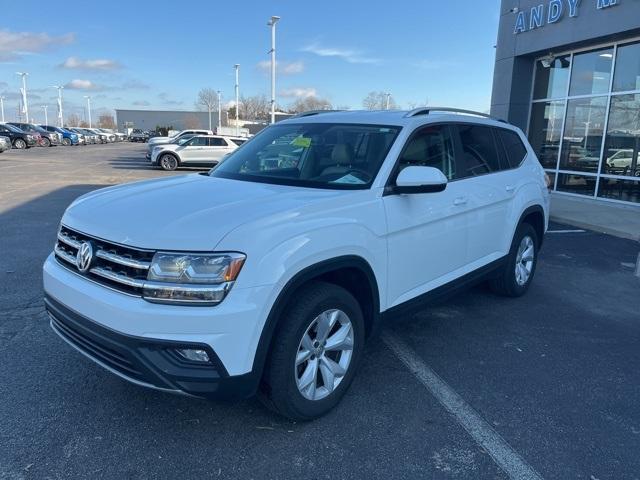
[[460, 201], [510, 188]]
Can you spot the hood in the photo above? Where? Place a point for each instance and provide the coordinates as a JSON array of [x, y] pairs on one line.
[[191, 212], [160, 140]]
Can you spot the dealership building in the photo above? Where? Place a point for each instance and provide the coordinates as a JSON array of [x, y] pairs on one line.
[[568, 73]]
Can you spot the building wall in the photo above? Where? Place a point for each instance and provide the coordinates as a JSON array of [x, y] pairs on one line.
[[516, 52], [149, 119]]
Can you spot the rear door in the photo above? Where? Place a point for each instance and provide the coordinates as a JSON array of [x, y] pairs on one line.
[[217, 149], [489, 192]]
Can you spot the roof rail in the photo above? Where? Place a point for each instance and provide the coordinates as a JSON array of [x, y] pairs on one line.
[[427, 110], [310, 113]]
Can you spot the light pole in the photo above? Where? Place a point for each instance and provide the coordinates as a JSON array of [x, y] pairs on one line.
[[46, 117], [60, 116], [2, 106], [237, 67], [23, 90], [88, 97], [388, 95], [219, 111], [272, 24]]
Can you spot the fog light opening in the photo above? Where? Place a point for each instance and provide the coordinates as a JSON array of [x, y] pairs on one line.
[[193, 355]]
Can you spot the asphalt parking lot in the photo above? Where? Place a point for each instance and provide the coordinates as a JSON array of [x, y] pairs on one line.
[[545, 386]]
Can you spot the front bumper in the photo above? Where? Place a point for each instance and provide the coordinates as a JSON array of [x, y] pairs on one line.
[[136, 339]]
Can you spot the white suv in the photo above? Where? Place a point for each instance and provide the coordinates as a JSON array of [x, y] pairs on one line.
[[199, 150], [268, 273]]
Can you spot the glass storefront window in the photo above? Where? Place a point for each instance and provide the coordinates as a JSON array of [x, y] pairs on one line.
[[582, 141], [551, 82], [627, 76], [622, 147], [618, 189], [580, 184], [545, 130], [591, 73]]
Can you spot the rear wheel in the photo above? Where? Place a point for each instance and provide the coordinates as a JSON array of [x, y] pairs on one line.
[[315, 352], [515, 276], [45, 142], [20, 144], [168, 162]]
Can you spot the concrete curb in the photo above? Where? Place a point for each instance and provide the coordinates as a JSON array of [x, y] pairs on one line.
[[596, 228]]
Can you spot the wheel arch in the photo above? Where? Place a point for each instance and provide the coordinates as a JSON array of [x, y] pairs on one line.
[[534, 216], [351, 272]]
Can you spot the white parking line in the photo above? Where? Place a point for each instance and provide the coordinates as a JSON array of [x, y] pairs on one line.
[[566, 231], [501, 452]]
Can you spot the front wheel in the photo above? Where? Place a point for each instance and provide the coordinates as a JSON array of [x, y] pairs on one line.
[[45, 142], [20, 144], [168, 162], [514, 278], [315, 352], [66, 142]]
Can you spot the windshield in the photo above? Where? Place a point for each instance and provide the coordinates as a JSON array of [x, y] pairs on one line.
[[183, 140], [318, 155]]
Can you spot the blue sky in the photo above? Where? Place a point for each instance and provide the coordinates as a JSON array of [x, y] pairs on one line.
[[150, 54]]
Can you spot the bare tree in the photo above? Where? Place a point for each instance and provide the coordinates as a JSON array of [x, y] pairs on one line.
[[192, 122], [73, 120], [83, 124], [256, 107], [378, 101], [208, 101], [106, 121], [310, 103]]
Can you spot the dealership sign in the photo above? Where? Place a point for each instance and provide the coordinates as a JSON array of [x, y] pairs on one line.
[[553, 12]]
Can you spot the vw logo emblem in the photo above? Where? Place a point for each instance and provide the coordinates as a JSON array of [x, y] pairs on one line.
[[84, 257]]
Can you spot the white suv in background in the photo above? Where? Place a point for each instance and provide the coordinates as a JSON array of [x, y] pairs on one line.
[[268, 273], [196, 151]]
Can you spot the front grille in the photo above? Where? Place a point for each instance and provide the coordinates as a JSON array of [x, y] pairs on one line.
[[95, 349], [115, 266]]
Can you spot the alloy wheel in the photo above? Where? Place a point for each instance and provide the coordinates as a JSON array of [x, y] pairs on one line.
[[324, 354], [524, 260], [168, 162]]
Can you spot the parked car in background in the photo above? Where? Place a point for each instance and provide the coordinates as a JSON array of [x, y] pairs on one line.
[[47, 139], [88, 137], [111, 137], [5, 143], [68, 138], [103, 137], [164, 140], [19, 138], [196, 151], [120, 137], [270, 273], [138, 135]]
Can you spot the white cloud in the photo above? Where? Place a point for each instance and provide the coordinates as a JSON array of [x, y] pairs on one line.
[[299, 92], [346, 54], [167, 100], [14, 45], [97, 64], [141, 103], [283, 68], [79, 84]]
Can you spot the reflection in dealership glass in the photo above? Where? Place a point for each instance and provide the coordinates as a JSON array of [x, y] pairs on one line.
[[622, 150]]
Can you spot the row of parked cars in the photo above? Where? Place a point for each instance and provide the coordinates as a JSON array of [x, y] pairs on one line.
[[26, 135]]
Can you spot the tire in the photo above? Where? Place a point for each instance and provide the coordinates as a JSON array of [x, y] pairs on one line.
[[20, 144], [279, 389], [515, 277], [66, 142], [168, 162], [46, 142]]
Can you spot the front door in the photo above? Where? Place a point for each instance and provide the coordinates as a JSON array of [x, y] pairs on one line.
[[194, 150], [427, 233]]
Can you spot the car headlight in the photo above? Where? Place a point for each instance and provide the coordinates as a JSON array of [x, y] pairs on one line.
[[191, 278]]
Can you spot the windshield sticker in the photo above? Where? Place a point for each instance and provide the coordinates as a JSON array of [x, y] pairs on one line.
[[302, 142], [350, 179]]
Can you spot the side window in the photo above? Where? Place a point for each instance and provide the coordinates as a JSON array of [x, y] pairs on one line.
[[217, 142], [480, 154], [431, 147], [513, 147], [198, 142]]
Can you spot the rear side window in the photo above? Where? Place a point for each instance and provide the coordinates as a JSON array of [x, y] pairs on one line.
[[480, 155], [513, 146], [217, 142]]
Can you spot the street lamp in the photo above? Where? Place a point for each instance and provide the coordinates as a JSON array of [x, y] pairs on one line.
[[60, 116], [388, 95], [219, 111], [23, 90], [237, 67], [2, 106], [272, 24], [88, 97], [46, 117]]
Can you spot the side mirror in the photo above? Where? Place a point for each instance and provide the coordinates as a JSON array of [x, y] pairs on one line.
[[420, 180]]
